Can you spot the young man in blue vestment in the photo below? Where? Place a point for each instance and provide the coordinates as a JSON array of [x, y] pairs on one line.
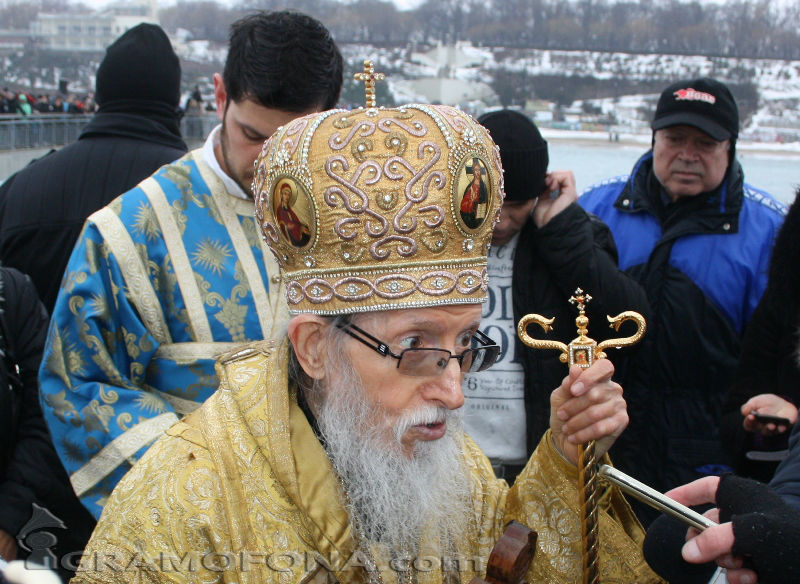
[[172, 273]]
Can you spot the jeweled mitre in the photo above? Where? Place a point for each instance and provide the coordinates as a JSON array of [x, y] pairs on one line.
[[380, 208]]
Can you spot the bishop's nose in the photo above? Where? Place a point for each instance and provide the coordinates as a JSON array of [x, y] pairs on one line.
[[446, 388]]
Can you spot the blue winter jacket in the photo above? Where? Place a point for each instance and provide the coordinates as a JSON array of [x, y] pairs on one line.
[[703, 262]]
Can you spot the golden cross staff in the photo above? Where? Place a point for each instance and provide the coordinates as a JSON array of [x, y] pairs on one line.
[[369, 77], [583, 351]]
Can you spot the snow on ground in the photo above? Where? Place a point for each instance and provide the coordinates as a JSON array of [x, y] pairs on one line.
[[777, 118], [778, 82]]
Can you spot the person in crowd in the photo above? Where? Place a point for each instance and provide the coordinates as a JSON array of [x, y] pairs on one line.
[[89, 103], [698, 239], [334, 451], [544, 247], [59, 105], [73, 105], [193, 109], [137, 130], [41, 519], [767, 380], [194, 103], [23, 106], [10, 103], [172, 273], [43, 104]]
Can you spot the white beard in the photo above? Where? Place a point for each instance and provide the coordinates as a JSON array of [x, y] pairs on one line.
[[392, 497]]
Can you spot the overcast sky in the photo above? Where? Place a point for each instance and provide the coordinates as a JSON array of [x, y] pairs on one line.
[[401, 4]]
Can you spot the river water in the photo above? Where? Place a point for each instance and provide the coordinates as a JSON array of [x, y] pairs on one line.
[[593, 161]]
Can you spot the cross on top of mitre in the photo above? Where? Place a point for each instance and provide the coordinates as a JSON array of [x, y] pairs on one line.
[[369, 77], [580, 299]]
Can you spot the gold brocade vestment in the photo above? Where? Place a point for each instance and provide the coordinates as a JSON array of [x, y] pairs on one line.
[[242, 491]]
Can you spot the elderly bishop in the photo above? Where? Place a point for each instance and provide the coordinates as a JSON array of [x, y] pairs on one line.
[[336, 453]]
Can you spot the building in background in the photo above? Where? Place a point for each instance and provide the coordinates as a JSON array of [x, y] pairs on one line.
[[449, 74], [91, 32]]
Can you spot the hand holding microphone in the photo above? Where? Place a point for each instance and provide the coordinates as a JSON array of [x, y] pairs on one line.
[[757, 528]]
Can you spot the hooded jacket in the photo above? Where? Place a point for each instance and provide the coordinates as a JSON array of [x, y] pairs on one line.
[[135, 131], [703, 263]]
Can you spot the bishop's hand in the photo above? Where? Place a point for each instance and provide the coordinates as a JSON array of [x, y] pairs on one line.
[[587, 406]]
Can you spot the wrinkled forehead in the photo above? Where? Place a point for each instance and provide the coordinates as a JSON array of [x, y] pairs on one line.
[[439, 319]]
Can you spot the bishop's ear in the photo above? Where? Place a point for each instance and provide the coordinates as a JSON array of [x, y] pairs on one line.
[[308, 337]]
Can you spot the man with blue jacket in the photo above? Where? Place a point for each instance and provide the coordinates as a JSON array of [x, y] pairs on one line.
[[698, 239]]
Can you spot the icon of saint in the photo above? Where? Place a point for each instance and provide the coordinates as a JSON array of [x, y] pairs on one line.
[[475, 198], [290, 225]]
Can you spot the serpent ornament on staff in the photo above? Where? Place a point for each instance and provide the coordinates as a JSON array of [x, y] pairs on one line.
[[583, 351]]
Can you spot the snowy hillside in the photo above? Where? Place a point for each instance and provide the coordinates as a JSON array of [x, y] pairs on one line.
[[774, 118], [777, 82]]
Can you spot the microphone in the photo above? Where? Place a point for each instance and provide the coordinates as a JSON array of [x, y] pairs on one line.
[[662, 550]]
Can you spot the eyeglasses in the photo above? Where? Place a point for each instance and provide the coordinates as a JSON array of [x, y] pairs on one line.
[[426, 362]]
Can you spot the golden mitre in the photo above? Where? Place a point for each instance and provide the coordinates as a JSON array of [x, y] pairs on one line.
[[380, 208]]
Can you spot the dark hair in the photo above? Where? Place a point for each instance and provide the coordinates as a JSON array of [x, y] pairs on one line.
[[284, 60]]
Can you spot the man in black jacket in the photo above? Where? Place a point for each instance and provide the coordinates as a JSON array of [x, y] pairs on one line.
[[544, 248], [698, 238], [135, 131]]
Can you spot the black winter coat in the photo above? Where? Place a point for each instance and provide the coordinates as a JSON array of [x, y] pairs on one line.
[[575, 249], [30, 471], [43, 206], [770, 357], [702, 261]]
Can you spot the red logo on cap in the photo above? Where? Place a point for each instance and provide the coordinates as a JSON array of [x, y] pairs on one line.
[[690, 94]]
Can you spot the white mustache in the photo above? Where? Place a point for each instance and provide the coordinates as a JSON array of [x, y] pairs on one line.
[[424, 415]]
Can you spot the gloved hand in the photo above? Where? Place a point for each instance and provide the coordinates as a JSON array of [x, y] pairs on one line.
[[766, 529]]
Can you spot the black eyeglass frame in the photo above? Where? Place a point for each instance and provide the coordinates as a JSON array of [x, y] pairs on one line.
[[383, 349]]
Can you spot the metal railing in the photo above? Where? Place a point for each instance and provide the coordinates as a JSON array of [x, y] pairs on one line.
[[17, 133], [48, 130]]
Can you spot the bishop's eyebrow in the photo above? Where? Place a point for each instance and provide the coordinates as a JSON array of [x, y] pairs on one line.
[[424, 323]]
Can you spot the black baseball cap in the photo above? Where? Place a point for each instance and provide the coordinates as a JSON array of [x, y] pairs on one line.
[[704, 103]]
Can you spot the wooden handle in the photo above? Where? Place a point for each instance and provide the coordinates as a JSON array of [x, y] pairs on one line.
[[511, 556]]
